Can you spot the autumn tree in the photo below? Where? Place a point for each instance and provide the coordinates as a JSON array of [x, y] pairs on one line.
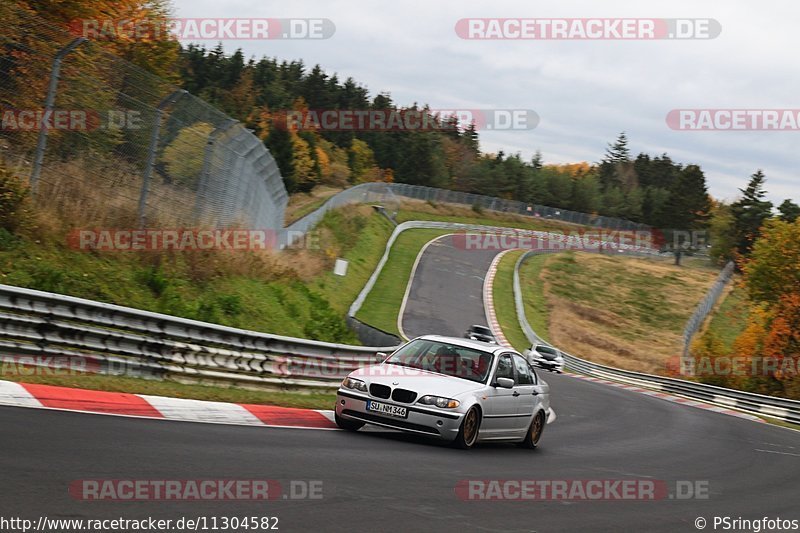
[[183, 156]]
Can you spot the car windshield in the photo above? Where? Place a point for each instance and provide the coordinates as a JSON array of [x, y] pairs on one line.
[[480, 330], [444, 358], [546, 350]]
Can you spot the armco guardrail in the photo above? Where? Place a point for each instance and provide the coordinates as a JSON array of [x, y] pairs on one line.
[[780, 408], [759, 404], [119, 340], [112, 339], [392, 192]]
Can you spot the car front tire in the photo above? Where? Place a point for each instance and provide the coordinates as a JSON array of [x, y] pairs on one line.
[[468, 432], [347, 425]]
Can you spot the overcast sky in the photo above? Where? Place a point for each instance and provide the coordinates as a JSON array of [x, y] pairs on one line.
[[585, 92]]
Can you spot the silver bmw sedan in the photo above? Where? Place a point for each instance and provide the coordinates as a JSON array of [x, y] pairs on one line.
[[456, 389]]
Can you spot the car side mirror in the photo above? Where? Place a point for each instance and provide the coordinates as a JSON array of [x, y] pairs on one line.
[[382, 356], [505, 383]]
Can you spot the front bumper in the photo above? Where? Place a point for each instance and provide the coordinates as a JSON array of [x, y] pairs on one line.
[[422, 420], [549, 365]]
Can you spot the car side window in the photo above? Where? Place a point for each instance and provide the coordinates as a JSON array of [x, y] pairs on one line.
[[534, 374], [505, 368], [524, 375]]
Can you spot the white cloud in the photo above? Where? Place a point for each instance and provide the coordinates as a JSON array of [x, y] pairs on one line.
[[584, 92]]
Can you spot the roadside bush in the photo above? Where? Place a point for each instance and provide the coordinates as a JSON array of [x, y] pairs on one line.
[[13, 196]]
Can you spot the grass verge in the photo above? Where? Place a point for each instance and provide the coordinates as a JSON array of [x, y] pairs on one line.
[[536, 310], [293, 293], [624, 312], [301, 204], [382, 305], [729, 320]]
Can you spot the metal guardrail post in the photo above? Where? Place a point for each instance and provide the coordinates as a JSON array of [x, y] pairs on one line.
[[41, 144], [151, 151]]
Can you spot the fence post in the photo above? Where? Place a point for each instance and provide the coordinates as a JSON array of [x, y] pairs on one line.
[[41, 144], [151, 151]]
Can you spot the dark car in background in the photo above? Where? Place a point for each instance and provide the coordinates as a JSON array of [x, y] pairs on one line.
[[480, 333]]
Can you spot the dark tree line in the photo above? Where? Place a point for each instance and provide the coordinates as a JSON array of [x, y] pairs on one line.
[[648, 189]]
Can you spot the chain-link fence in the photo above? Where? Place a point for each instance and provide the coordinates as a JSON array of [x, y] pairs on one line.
[[108, 143], [513, 206], [703, 308], [388, 194]]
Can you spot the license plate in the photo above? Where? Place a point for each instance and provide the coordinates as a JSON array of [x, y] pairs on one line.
[[386, 409]]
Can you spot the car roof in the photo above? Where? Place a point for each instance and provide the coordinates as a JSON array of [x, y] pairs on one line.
[[469, 343]]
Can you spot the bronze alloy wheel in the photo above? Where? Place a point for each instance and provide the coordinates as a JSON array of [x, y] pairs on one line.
[[468, 433], [536, 429]]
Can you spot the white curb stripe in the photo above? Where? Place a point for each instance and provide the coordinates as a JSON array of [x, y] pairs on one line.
[[15, 394], [202, 411], [488, 301]]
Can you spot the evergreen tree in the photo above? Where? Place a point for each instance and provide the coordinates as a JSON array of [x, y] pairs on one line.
[[750, 212], [616, 158], [789, 210], [688, 203]]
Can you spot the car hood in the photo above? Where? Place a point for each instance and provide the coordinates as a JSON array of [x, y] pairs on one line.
[[419, 381]]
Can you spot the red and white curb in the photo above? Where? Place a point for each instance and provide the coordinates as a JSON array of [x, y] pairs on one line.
[[488, 301], [160, 407], [491, 318]]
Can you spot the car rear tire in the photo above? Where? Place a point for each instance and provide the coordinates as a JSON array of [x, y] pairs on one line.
[[535, 431], [468, 432], [348, 425]]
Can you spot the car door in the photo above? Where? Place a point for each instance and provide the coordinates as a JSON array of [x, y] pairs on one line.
[[501, 417], [529, 392]]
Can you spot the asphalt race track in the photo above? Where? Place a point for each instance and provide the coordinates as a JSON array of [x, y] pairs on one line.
[[446, 294], [384, 481]]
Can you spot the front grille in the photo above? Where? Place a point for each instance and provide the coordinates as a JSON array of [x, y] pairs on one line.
[[400, 424], [403, 395], [380, 391]]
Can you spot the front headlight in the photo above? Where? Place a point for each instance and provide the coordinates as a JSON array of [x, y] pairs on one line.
[[438, 401], [354, 384]]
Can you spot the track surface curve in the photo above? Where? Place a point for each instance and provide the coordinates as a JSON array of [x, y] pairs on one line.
[[391, 482]]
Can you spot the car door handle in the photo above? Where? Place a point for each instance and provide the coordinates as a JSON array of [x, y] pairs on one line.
[[515, 394], [535, 393]]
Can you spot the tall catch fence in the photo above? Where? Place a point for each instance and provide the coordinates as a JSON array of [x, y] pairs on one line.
[[702, 310], [106, 141]]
